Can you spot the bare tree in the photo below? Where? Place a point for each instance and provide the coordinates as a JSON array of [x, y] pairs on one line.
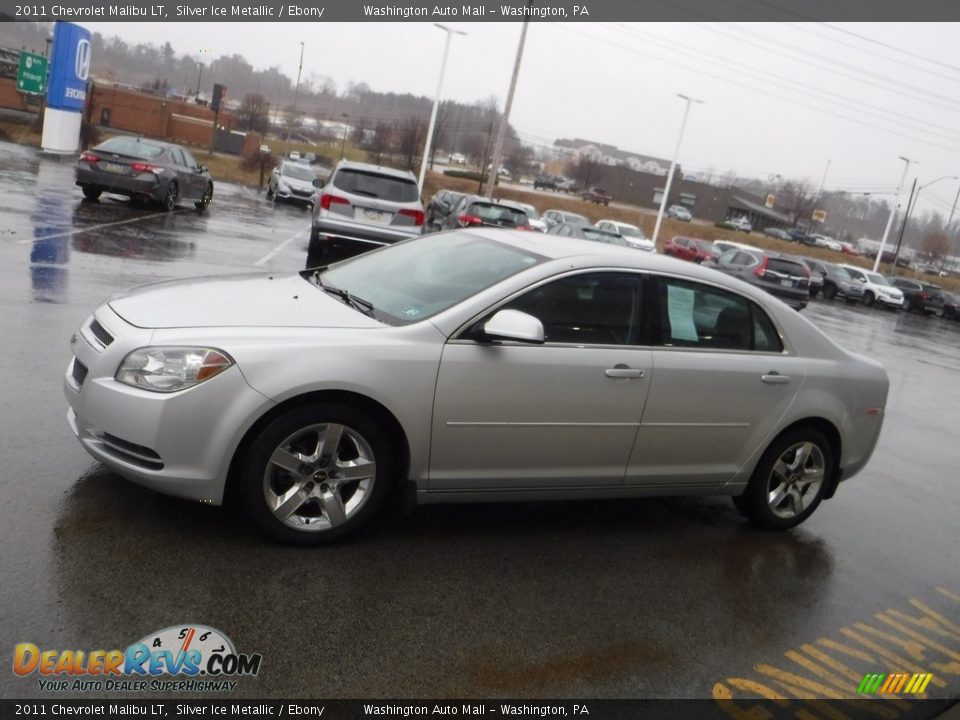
[[252, 113], [585, 170], [798, 198], [410, 138], [381, 143], [935, 246]]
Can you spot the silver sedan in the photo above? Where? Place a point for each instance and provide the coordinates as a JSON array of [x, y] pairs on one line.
[[471, 365]]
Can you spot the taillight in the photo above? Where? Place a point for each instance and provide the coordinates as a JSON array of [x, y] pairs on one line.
[[762, 270], [327, 200], [468, 220], [89, 157], [924, 296], [417, 215], [145, 167], [525, 227]]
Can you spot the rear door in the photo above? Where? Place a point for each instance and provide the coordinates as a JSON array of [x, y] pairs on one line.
[[722, 381]]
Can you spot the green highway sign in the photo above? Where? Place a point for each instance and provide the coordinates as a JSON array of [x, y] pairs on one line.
[[32, 73]]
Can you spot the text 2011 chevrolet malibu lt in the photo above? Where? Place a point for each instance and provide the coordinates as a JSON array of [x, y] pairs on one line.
[[472, 365]]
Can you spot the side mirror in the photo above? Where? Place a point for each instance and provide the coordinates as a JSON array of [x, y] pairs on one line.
[[201, 168], [317, 183], [514, 325]]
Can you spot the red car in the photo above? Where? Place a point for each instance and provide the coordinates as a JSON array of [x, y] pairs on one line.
[[687, 248]]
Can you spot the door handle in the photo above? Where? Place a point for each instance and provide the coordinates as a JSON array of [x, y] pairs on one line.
[[623, 371], [775, 378]]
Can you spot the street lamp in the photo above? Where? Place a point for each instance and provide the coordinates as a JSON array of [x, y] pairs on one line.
[[436, 102], [893, 212], [673, 164], [911, 203], [343, 139]]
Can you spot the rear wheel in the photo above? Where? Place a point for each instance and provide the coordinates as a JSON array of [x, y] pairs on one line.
[[91, 193], [907, 304], [317, 474], [170, 199], [868, 298], [829, 291], [789, 481]]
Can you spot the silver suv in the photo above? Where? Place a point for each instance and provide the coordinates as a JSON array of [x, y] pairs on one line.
[[293, 182], [363, 207]]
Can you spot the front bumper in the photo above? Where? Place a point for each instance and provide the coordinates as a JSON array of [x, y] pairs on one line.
[[179, 443], [889, 301], [294, 195]]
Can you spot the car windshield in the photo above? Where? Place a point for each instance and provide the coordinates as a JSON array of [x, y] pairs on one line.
[[575, 219], [707, 247], [841, 273], [414, 280], [298, 172], [131, 147], [631, 231], [375, 185], [786, 267]]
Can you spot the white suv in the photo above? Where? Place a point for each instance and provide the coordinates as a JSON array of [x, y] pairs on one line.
[[876, 289]]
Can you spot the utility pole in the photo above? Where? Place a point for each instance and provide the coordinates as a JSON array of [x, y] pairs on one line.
[[296, 93], [903, 226], [943, 265], [505, 118], [486, 156], [823, 180], [893, 211]]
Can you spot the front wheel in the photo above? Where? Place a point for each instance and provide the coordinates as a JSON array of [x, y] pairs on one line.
[[907, 304], [789, 481], [204, 202], [868, 299], [829, 292], [317, 474]]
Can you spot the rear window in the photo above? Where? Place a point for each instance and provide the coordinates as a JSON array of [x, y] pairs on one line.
[[786, 267], [498, 214], [131, 147], [375, 185], [575, 219]]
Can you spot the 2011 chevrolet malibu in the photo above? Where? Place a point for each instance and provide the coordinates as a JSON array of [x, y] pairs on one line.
[[471, 365]]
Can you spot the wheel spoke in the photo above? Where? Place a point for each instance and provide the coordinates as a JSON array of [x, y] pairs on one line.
[[795, 501], [781, 469], [359, 469], [801, 457], [333, 507], [778, 495], [289, 461], [290, 502], [329, 443]]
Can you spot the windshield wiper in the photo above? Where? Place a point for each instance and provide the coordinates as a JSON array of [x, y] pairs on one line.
[[357, 303]]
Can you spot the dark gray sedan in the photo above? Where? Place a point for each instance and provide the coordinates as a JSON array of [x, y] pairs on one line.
[[144, 170]]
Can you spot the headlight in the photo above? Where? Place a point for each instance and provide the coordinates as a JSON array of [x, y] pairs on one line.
[[169, 369]]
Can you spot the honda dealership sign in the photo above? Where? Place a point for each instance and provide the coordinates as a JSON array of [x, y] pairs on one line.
[[67, 88]]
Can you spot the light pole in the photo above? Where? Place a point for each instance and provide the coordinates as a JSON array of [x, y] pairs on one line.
[[950, 245], [893, 211], [673, 164], [343, 139], [912, 203], [436, 102], [296, 93]]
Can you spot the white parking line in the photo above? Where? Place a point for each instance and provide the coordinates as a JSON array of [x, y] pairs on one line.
[[77, 231], [279, 248]]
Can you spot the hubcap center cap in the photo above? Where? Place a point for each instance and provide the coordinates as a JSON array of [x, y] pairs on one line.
[[320, 476]]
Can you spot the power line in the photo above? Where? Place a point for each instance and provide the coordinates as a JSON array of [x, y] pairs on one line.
[[873, 41]]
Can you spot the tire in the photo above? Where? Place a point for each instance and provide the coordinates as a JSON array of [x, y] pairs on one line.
[[204, 202], [91, 193], [270, 193], [829, 292], [299, 491], [907, 304], [170, 199], [789, 481], [868, 299]]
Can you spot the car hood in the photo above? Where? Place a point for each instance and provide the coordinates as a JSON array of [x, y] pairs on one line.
[[252, 300]]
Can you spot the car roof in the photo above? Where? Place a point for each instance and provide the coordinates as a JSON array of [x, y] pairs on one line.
[[379, 169]]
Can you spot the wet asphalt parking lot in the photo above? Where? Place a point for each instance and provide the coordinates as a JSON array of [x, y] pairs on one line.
[[646, 598]]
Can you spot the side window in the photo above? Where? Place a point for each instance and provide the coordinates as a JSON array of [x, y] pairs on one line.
[[190, 162], [177, 155], [564, 230], [700, 316], [728, 257], [591, 309]]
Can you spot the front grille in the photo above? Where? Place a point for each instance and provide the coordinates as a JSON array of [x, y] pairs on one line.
[[100, 333], [303, 193], [132, 453], [79, 372]]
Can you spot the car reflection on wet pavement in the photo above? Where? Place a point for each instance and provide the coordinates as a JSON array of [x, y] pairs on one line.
[[640, 598]]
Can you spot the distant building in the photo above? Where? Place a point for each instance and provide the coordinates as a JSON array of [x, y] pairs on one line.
[[610, 155]]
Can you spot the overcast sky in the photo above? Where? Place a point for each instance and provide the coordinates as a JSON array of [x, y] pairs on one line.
[[778, 98]]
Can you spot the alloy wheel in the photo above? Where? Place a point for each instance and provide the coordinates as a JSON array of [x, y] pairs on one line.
[[795, 479]]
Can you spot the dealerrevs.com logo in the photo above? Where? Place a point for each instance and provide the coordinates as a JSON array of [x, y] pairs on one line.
[[199, 658]]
